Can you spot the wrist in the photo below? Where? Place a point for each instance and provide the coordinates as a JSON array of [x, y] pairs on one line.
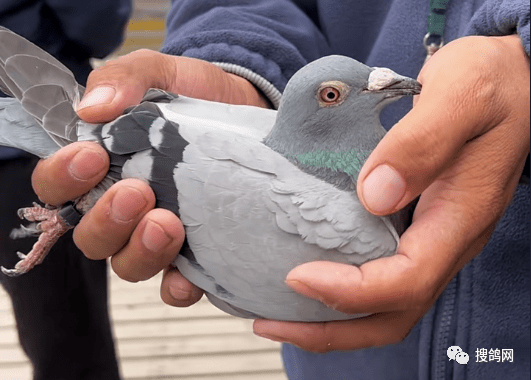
[[246, 92]]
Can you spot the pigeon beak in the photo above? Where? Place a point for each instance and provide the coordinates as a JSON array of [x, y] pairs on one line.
[[383, 80]]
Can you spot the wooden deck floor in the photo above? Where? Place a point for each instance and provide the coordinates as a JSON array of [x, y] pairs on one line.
[[156, 341]]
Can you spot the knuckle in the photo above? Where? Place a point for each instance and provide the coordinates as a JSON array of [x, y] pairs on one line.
[[428, 148], [420, 295], [483, 96], [319, 347], [416, 299], [151, 263], [322, 340]]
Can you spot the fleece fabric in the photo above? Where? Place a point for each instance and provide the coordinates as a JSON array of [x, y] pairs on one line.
[[486, 307]]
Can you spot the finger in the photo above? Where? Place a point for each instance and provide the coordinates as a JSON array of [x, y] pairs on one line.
[[409, 158], [106, 228], [454, 107], [177, 291], [375, 330], [70, 172], [121, 83], [153, 245]]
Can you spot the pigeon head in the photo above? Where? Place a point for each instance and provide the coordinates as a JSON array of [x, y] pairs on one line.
[[329, 116]]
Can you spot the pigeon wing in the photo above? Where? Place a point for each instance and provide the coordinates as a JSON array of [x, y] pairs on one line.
[[46, 89], [244, 243], [331, 218], [19, 130]]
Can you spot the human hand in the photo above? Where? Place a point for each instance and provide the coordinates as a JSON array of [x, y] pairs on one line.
[[463, 146], [123, 224]]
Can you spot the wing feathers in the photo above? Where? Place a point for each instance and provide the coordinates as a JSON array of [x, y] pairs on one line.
[[27, 71], [39, 99], [45, 87], [12, 44]]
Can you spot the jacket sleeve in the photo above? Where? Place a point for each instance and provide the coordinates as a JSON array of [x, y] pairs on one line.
[[271, 39], [502, 17], [96, 25]]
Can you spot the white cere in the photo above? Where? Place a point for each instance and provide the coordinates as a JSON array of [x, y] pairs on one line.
[[380, 78]]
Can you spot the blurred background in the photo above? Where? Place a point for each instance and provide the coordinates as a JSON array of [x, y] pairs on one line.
[[156, 341]]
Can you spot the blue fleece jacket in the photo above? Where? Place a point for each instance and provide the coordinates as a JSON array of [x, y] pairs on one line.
[[486, 306], [72, 31]]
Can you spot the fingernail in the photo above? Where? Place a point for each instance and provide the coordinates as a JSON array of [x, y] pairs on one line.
[[383, 189], [268, 329], [180, 290], [154, 237], [274, 338], [86, 164], [99, 95], [303, 288], [302, 277], [127, 204]]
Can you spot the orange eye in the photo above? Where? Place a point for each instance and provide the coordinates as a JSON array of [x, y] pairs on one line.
[[329, 95]]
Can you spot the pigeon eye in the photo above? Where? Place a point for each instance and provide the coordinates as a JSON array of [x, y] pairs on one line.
[[329, 95], [332, 93]]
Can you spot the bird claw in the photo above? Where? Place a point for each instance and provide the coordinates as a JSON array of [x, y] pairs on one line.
[[50, 228], [21, 212], [32, 230], [11, 272]]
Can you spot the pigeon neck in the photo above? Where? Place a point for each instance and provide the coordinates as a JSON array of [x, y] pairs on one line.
[[335, 156]]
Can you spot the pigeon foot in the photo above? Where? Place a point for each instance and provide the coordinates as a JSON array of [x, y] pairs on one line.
[[50, 227]]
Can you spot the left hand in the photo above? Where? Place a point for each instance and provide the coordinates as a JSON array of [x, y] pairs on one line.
[[463, 146], [123, 224]]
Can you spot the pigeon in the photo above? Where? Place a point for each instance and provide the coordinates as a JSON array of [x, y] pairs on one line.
[[259, 191]]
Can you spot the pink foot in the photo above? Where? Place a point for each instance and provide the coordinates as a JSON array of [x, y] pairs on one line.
[[50, 228]]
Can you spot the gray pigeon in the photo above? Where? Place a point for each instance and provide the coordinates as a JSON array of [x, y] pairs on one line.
[[259, 191]]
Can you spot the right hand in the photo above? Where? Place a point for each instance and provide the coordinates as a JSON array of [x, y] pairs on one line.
[[124, 224]]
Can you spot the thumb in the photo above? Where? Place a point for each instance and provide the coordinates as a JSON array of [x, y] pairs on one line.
[[409, 158], [121, 83], [462, 98]]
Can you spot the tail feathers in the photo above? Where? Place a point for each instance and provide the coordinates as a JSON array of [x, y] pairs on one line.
[[46, 89]]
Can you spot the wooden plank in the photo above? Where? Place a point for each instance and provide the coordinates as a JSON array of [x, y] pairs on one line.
[[162, 312], [211, 365], [128, 308], [7, 318], [22, 372], [157, 329], [274, 375], [12, 354], [8, 336], [195, 345], [5, 301]]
